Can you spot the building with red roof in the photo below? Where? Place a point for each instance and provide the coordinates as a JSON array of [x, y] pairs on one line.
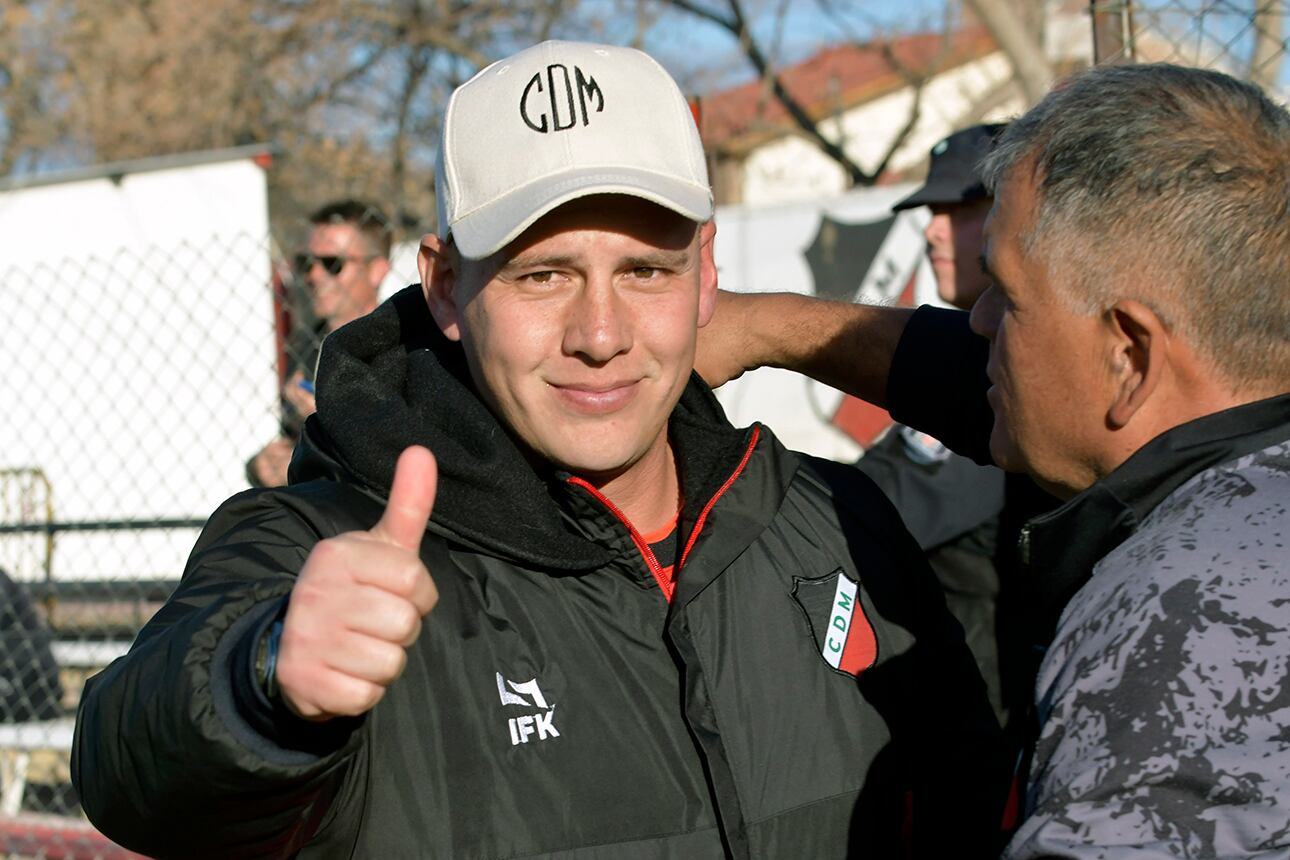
[[885, 103]]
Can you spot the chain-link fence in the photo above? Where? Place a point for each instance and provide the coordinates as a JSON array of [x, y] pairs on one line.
[[152, 369], [1249, 39], [158, 349]]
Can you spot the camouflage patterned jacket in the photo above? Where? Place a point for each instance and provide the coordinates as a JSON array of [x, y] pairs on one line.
[[1163, 703]]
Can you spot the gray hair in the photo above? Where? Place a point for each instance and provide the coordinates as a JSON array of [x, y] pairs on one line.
[[1169, 185]]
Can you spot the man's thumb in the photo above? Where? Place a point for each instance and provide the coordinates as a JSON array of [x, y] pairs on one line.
[[416, 477]]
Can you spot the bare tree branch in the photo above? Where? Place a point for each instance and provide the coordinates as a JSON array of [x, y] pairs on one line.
[[1269, 52], [915, 113], [418, 63], [1027, 55], [707, 14], [738, 27]]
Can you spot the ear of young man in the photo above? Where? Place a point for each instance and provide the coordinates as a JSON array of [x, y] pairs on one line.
[[439, 264]]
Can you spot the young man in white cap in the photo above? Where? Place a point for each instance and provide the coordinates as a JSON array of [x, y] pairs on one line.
[[653, 634]]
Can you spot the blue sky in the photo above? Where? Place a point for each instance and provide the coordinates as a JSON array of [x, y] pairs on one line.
[[703, 56], [698, 53]]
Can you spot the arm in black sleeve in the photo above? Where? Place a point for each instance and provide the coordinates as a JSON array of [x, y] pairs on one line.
[[174, 754], [939, 500], [937, 382]]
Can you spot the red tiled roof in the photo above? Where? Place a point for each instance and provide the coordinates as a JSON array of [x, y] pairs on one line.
[[838, 77]]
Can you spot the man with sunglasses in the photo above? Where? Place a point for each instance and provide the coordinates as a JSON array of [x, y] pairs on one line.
[[341, 269]]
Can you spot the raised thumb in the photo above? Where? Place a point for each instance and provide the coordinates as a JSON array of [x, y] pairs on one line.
[[416, 478]]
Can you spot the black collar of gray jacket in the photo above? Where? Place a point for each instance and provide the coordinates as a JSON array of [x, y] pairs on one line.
[[1059, 549]]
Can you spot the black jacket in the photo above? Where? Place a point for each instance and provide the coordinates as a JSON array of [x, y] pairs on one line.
[[29, 684], [556, 703], [1161, 590]]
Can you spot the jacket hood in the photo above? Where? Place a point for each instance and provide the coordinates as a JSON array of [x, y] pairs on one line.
[[391, 379]]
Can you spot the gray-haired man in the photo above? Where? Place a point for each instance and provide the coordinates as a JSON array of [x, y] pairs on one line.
[[1136, 358]]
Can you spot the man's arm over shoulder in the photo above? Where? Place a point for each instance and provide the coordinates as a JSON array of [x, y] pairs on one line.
[[177, 752], [926, 366], [937, 382]]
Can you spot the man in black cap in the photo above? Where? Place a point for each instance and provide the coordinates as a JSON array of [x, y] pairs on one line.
[[959, 203], [964, 516]]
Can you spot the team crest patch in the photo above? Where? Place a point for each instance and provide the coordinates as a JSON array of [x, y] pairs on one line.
[[842, 631]]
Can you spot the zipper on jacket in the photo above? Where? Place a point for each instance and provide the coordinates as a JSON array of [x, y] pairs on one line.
[[651, 562], [1023, 545], [656, 569], [703, 516]]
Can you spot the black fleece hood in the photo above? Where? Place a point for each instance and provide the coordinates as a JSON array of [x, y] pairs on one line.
[[391, 379]]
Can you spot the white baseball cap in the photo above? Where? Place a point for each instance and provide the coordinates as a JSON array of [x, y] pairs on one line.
[[556, 122]]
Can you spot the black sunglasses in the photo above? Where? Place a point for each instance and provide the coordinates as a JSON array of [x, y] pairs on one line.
[[332, 265]]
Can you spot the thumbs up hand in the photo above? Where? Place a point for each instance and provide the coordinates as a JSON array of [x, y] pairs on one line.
[[358, 603]]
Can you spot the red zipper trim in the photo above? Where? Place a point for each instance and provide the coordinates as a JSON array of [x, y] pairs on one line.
[[651, 562], [703, 517], [668, 585]]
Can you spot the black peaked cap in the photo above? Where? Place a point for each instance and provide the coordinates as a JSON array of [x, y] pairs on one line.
[[952, 176]]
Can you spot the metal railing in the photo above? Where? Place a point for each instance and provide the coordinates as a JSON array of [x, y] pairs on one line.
[[1249, 39]]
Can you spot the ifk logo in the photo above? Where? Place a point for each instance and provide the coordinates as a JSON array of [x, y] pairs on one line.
[[524, 728]]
